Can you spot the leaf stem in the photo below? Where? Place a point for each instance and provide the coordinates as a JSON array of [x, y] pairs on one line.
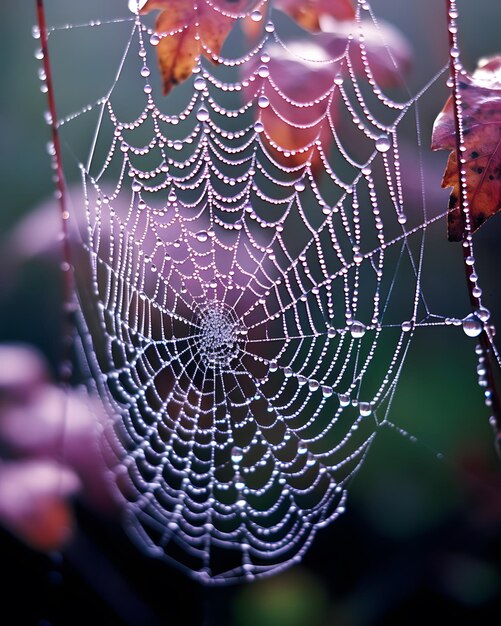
[[484, 340]]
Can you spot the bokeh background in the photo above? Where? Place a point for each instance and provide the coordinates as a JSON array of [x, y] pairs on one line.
[[421, 538]]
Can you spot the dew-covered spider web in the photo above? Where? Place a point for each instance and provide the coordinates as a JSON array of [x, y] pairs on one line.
[[248, 261]]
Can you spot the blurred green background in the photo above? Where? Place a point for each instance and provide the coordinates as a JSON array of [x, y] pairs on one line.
[[421, 537]]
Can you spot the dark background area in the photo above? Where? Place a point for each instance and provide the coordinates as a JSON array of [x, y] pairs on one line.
[[421, 536]]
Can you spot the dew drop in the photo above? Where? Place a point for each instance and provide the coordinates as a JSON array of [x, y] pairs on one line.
[[302, 448], [263, 102], [202, 114], [35, 32], [472, 326], [344, 399], [136, 5], [483, 314], [406, 326], [145, 71], [256, 16], [338, 79], [258, 127], [199, 83], [365, 409], [177, 145], [154, 39], [299, 185], [383, 143], [313, 385], [270, 27], [202, 236], [331, 333], [327, 391], [263, 71], [357, 329]]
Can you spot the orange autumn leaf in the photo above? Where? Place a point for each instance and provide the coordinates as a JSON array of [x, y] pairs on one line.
[[307, 13], [188, 30], [481, 113]]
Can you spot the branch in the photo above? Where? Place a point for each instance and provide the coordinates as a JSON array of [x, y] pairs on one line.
[[57, 163], [489, 361]]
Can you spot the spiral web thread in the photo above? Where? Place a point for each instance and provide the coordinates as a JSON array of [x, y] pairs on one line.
[[242, 317]]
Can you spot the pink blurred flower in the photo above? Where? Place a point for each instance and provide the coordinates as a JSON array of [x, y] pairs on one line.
[[34, 501], [49, 438]]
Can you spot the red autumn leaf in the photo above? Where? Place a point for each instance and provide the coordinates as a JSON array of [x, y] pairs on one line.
[[481, 113], [307, 13], [188, 30]]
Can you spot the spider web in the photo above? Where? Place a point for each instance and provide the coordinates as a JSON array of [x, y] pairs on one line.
[[242, 316]]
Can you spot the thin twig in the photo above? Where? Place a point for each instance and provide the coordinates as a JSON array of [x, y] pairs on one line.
[[65, 369], [484, 340]]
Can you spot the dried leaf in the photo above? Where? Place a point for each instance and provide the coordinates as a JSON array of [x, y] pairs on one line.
[[307, 13], [481, 106], [188, 30]]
